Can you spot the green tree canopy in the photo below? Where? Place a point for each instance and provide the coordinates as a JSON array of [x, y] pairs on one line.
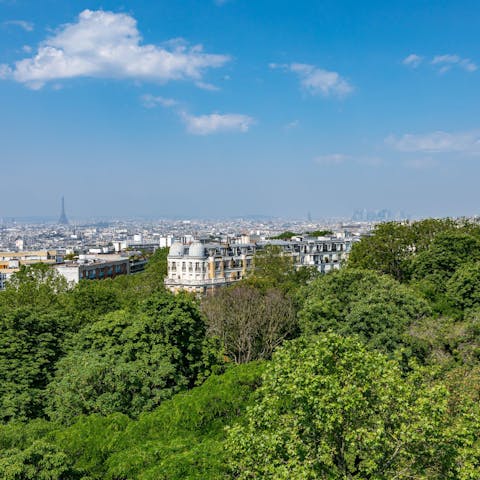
[[36, 285], [463, 288], [446, 342], [392, 246], [130, 362], [287, 235], [446, 253], [386, 250], [91, 299], [182, 439], [30, 344], [156, 268], [274, 269], [364, 303], [330, 409]]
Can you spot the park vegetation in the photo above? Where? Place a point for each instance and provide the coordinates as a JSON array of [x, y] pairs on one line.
[[368, 373]]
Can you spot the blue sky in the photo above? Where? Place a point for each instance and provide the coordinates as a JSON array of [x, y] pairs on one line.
[[225, 108]]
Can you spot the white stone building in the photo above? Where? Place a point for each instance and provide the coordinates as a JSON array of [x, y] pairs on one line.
[[200, 267]]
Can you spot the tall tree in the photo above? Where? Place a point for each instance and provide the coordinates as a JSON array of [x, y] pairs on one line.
[[36, 285], [364, 303], [250, 322], [387, 250], [330, 409]]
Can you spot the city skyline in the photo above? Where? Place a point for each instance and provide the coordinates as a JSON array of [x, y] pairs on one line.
[[226, 108]]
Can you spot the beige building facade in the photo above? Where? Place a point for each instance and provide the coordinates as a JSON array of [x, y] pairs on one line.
[[201, 267]]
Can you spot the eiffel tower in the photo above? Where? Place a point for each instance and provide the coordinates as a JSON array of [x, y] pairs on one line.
[[63, 220]]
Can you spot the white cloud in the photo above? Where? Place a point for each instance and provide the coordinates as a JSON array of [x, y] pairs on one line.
[[446, 62], [207, 86], [443, 62], [437, 142], [5, 71], [108, 45], [413, 60], [317, 81], [202, 124], [151, 101], [27, 26], [216, 123]]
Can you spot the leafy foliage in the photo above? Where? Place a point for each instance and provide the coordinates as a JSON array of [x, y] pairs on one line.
[[30, 344], [392, 247], [91, 299], [463, 288], [328, 408], [287, 235], [386, 251], [361, 302], [37, 286], [182, 439], [446, 342], [275, 270], [130, 362], [319, 233]]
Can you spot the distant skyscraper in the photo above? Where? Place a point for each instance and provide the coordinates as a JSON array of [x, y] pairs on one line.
[[63, 217]]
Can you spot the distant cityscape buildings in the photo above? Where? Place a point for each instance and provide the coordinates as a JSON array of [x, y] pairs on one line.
[[206, 252], [384, 215], [94, 267]]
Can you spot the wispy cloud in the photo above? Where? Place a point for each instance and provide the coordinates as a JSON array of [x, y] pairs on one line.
[[27, 26], [446, 62], [151, 101], [5, 71], [201, 124], [105, 44], [292, 125], [413, 60], [317, 81], [216, 123], [436, 142], [442, 62], [207, 86]]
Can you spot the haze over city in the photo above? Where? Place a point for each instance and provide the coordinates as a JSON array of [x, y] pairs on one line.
[[230, 107]]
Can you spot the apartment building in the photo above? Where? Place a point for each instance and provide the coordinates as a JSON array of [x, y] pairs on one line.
[[200, 267]]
